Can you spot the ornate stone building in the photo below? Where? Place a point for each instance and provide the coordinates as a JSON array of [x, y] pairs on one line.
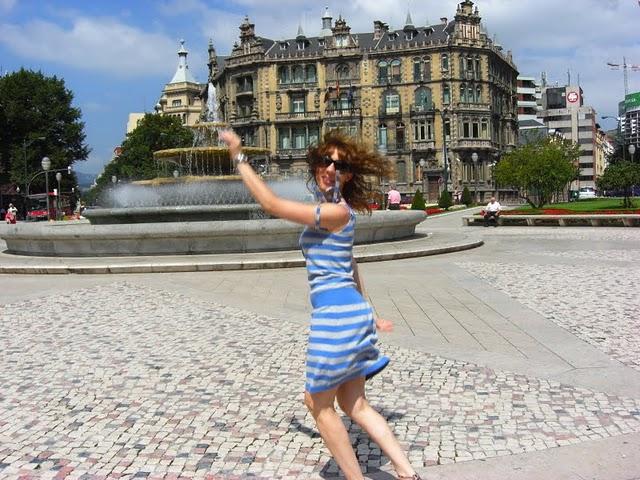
[[430, 97]]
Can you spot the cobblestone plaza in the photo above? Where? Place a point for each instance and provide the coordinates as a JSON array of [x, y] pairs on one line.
[[525, 346]]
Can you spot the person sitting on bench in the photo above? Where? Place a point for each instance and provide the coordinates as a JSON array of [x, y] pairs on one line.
[[492, 212]]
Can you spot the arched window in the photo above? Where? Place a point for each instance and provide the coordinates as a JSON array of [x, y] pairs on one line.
[[423, 99], [484, 128], [391, 102], [444, 60], [400, 137], [401, 169], [463, 93], [311, 73], [478, 94], [344, 102], [297, 74], [470, 94], [283, 74], [382, 136], [426, 72], [396, 77], [446, 94], [383, 72], [342, 71]]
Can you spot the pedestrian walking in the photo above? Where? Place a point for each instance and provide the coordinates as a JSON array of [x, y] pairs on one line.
[[341, 351]]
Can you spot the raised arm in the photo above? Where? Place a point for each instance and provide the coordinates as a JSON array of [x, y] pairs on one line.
[[332, 216]]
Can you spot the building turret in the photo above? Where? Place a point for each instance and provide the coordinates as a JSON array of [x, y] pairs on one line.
[[182, 72], [326, 23], [213, 61]]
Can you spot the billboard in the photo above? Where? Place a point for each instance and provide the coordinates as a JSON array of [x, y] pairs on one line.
[[632, 102]]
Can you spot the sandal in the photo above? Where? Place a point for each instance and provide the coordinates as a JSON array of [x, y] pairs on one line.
[[415, 476]]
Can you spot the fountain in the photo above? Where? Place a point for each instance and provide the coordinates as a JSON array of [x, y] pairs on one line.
[[198, 207]]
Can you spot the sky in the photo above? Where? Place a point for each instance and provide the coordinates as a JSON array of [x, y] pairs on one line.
[[117, 55]]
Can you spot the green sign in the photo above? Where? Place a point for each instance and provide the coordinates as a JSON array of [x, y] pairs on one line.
[[632, 102]]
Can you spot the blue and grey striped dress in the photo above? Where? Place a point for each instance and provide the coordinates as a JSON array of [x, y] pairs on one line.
[[343, 336]]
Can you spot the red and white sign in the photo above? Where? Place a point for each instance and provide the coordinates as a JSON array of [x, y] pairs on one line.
[[573, 97]]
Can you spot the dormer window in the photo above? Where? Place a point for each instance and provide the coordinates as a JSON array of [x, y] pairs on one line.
[[284, 45], [321, 42], [341, 40], [409, 35], [301, 45], [428, 31], [392, 36]]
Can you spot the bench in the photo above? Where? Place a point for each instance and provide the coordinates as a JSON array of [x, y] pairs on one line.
[[623, 219]]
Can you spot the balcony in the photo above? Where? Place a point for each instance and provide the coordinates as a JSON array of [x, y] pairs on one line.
[[421, 110], [343, 82], [342, 113], [482, 107], [293, 152], [298, 116], [474, 143], [423, 145], [303, 85], [390, 112], [244, 92]]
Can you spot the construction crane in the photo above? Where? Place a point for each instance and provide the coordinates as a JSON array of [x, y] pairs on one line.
[[625, 67]]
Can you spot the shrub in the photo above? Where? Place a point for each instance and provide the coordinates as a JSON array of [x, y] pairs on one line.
[[467, 199], [445, 200], [418, 201]]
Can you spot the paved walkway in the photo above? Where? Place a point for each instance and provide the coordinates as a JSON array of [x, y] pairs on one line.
[[500, 355]]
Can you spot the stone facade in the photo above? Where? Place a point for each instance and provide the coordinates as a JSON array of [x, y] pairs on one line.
[[413, 93]]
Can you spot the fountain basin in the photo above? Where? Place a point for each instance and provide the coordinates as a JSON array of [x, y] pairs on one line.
[[186, 213], [66, 239]]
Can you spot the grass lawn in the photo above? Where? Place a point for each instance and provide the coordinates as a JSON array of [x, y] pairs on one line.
[[583, 206]]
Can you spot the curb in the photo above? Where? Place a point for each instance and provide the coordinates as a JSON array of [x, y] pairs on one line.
[[210, 263]]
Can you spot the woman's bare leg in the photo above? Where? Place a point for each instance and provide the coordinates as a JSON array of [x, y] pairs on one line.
[[333, 432], [352, 401]]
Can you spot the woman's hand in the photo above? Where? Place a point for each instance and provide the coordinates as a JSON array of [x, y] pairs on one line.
[[383, 325], [232, 140]]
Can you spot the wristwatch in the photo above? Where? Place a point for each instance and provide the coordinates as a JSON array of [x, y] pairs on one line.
[[240, 158]]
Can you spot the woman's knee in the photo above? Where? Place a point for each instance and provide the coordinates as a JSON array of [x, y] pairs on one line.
[[353, 407], [317, 403]]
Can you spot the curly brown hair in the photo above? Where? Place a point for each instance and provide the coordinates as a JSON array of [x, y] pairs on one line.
[[363, 162]]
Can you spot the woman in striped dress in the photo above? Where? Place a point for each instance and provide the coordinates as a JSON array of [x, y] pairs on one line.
[[342, 351]]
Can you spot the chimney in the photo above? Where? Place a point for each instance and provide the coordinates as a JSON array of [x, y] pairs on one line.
[[379, 29]]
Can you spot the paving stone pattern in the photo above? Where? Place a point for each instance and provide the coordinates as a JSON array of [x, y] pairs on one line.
[[597, 303], [123, 381]]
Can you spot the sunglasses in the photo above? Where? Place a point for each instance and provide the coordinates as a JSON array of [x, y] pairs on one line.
[[341, 165]]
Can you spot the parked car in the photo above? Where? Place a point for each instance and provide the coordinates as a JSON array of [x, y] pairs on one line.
[[586, 192]]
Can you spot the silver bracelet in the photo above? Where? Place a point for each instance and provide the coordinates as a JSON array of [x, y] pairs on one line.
[[240, 158]]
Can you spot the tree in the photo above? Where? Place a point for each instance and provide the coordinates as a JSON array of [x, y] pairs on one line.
[[466, 196], [445, 200], [135, 162], [418, 201], [539, 169], [620, 177], [36, 111]]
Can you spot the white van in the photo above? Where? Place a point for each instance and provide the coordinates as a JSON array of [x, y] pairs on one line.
[[586, 192]]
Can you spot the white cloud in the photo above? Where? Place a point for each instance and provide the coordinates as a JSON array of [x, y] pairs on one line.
[[7, 5], [96, 44]]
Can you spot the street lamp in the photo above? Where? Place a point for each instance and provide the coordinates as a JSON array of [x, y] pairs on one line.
[[58, 178], [423, 163], [26, 144], [46, 165], [176, 173], [632, 150], [474, 157], [445, 158]]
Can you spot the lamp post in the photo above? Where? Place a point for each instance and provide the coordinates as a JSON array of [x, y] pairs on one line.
[[474, 157], [46, 165], [176, 173], [445, 158], [58, 178], [26, 144], [423, 163], [632, 150]]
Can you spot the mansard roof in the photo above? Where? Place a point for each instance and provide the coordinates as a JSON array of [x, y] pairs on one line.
[[366, 41]]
